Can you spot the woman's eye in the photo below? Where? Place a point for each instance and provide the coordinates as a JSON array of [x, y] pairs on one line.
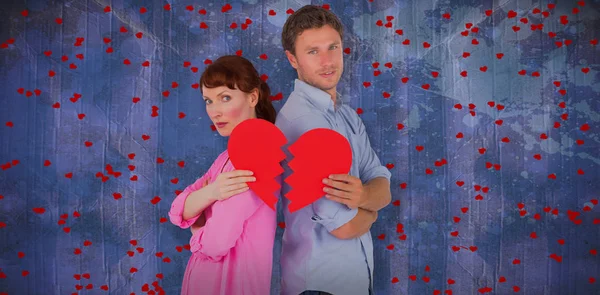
[[226, 98], [207, 101]]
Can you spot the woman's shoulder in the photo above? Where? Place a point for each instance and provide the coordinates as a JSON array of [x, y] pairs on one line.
[[215, 168]]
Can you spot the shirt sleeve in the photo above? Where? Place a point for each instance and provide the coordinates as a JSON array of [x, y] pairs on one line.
[[328, 213], [369, 165], [226, 225], [176, 211]]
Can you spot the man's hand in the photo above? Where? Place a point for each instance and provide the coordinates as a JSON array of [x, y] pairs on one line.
[[345, 189]]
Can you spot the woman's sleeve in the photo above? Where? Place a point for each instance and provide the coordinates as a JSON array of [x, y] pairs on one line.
[[176, 211], [222, 231]]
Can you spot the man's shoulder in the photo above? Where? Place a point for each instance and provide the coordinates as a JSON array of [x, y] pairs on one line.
[[296, 110]]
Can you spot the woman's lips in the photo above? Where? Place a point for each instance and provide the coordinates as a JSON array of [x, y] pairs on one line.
[[221, 125]]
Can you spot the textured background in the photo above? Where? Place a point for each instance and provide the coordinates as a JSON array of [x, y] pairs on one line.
[[46, 216]]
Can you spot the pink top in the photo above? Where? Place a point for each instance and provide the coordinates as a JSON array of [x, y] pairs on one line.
[[233, 252]]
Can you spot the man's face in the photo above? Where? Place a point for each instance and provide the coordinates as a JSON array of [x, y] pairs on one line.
[[318, 59]]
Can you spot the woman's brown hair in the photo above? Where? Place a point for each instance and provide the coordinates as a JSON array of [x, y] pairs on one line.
[[237, 72]]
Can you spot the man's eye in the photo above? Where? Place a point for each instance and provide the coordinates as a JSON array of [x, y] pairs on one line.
[[312, 52], [334, 47]]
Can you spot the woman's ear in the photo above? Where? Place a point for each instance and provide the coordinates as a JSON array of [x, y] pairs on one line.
[[254, 96]]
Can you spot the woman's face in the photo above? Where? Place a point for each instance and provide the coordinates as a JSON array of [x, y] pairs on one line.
[[228, 107]]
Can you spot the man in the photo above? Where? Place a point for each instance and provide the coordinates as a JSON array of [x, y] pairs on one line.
[[327, 246]]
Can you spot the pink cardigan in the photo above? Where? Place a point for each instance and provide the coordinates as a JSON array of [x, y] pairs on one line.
[[233, 252]]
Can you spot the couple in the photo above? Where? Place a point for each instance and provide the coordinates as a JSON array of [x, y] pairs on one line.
[[327, 246]]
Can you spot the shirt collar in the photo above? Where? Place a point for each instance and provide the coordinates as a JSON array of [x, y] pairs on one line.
[[318, 97]]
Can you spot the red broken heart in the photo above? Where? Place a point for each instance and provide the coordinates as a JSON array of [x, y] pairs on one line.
[[318, 153], [255, 145]]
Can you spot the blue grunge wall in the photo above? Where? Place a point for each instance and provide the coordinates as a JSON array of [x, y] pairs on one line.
[[485, 112]]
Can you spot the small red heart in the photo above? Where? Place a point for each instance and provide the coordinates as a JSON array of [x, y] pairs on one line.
[[308, 187], [272, 12], [347, 50], [77, 251], [226, 7], [460, 183], [512, 14], [202, 11], [155, 200], [488, 12], [585, 127], [262, 157], [404, 80]]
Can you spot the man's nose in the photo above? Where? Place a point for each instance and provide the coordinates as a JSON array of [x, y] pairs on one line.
[[326, 59]]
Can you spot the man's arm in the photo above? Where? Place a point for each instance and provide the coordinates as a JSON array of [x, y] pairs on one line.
[[358, 226], [378, 194]]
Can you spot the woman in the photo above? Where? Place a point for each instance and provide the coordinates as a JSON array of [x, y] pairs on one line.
[[233, 230]]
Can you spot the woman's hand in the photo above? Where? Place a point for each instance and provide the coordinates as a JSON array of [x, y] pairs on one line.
[[230, 183]]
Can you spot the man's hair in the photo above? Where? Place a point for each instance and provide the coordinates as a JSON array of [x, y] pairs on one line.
[[305, 18]]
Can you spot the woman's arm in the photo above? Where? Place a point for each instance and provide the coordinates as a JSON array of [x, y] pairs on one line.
[[177, 214], [197, 201], [198, 224]]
